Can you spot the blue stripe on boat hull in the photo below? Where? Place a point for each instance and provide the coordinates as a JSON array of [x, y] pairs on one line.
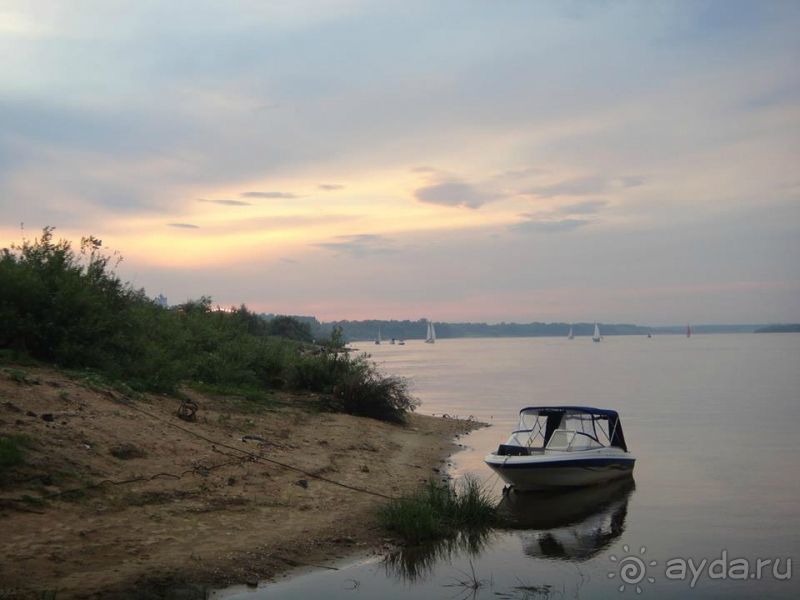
[[565, 473], [626, 463]]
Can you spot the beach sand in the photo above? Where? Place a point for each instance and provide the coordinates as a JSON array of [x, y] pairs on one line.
[[201, 513]]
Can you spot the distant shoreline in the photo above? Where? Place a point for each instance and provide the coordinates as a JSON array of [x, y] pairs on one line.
[[366, 330], [783, 328], [699, 330]]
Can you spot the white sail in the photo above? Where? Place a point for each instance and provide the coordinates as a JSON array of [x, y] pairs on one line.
[[571, 335], [596, 336], [430, 338]]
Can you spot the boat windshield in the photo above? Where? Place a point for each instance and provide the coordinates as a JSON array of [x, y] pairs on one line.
[[567, 440], [597, 427]]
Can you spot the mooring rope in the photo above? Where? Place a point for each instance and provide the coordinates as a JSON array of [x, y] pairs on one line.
[[258, 457], [200, 468]]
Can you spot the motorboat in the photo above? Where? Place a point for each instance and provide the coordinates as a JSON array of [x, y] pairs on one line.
[[563, 446]]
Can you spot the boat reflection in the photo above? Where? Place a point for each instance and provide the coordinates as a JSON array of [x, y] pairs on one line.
[[573, 525]]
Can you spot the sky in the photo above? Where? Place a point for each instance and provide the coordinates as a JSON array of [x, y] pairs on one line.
[[453, 160]]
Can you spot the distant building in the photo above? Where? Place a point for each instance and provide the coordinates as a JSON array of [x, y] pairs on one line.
[[161, 300]]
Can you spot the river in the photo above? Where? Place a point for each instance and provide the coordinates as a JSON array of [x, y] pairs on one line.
[[713, 422]]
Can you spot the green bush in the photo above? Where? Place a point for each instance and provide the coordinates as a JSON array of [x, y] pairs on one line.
[[317, 372], [289, 327], [71, 309], [362, 390]]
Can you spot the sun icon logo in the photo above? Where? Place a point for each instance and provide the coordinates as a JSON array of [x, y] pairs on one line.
[[632, 569]]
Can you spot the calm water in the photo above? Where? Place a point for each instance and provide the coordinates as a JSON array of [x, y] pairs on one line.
[[713, 421]]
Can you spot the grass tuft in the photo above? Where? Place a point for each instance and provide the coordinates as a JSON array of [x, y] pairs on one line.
[[439, 510], [21, 376], [12, 452]]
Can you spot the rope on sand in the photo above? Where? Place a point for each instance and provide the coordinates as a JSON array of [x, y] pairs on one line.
[[259, 458], [196, 470]]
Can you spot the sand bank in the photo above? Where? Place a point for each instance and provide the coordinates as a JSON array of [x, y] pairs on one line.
[[189, 510]]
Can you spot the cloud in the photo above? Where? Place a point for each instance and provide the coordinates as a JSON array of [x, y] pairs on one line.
[[533, 225], [268, 195], [269, 223], [278, 222], [631, 181], [583, 208], [86, 145], [582, 186], [183, 226], [520, 173], [360, 245], [454, 193], [328, 187], [226, 202]]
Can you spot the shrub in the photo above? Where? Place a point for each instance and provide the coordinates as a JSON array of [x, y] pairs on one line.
[[363, 390], [71, 309], [288, 327], [316, 372]]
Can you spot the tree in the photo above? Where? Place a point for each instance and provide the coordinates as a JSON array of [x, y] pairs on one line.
[[289, 327]]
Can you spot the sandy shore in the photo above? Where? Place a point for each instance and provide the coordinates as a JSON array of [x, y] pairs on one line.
[[211, 515]]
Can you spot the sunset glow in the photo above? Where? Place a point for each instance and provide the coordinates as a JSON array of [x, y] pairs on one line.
[[478, 161]]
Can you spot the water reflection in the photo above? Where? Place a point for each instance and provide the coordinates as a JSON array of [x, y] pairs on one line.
[[415, 563], [574, 525]]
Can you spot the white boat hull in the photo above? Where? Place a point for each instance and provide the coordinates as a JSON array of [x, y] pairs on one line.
[[563, 469]]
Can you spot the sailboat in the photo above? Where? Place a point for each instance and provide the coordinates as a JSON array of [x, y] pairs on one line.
[[378, 339], [571, 335], [596, 336], [430, 338], [688, 331]]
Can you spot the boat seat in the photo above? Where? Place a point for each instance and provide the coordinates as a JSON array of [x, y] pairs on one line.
[[512, 450]]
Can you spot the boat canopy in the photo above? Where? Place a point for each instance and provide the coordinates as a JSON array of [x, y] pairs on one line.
[[539, 422]]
